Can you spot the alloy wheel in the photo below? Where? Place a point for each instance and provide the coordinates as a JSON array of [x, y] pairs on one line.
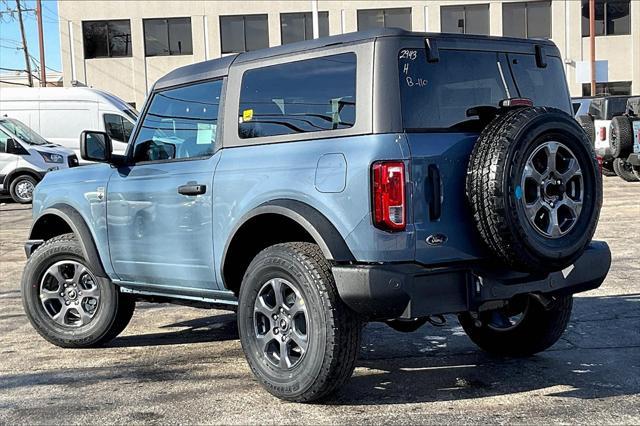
[[281, 323], [69, 293], [552, 189]]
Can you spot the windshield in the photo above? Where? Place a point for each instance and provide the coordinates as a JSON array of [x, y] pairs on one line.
[[23, 132], [437, 95]]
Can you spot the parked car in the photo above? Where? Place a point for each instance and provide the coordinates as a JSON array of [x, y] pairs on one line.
[[597, 123], [625, 144], [60, 114], [375, 176], [25, 157], [581, 105]]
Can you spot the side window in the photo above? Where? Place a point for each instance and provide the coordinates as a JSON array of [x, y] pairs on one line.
[[113, 124], [180, 123], [298, 97], [3, 141]]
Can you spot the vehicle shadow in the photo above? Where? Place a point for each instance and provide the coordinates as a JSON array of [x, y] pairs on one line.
[[598, 356], [215, 328]]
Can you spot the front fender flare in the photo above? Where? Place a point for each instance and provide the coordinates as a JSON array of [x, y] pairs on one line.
[[79, 227]]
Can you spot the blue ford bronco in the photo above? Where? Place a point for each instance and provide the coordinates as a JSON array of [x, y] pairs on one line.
[[313, 187]]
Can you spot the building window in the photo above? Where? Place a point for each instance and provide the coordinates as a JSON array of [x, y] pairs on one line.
[[384, 18], [612, 17], [163, 37], [243, 33], [299, 26], [612, 88], [527, 19], [106, 39], [278, 99], [465, 19]]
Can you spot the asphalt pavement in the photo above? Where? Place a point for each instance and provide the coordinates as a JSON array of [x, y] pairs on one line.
[[184, 365]]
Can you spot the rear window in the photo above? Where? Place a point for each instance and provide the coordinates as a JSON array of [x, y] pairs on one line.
[[298, 97], [437, 95]]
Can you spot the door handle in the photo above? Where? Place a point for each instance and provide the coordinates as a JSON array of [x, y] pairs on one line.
[[192, 189]]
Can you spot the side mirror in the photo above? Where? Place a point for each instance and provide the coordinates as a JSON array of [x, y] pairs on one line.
[[95, 146]]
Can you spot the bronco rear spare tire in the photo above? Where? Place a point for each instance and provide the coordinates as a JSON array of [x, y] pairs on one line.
[[534, 188]]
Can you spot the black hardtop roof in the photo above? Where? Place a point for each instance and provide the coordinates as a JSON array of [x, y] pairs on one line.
[[220, 67]]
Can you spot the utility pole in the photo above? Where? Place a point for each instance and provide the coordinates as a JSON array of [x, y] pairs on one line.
[[314, 18], [592, 43], [43, 70], [24, 45]]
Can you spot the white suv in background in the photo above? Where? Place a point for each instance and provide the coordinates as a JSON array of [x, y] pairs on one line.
[[25, 157]]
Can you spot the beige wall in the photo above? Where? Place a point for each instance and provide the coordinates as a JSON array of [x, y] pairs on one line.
[[131, 78]]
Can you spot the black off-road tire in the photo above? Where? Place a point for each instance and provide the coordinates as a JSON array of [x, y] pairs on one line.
[[624, 170], [14, 185], [586, 122], [607, 168], [538, 329], [334, 330], [493, 177], [621, 137], [113, 314]]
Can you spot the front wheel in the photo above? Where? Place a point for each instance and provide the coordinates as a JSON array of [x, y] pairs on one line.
[[299, 338], [522, 328], [66, 302]]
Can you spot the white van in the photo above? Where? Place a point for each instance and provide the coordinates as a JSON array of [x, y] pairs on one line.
[[60, 114], [25, 157]]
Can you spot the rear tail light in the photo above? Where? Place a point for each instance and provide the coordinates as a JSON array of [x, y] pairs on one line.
[[389, 205], [602, 133], [514, 102]]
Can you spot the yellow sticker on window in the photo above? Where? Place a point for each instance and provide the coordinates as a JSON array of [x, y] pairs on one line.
[[247, 115]]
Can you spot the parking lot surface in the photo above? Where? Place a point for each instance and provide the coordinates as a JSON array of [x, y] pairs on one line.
[[182, 365]]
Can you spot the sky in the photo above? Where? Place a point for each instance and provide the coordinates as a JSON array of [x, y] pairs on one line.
[[11, 55]]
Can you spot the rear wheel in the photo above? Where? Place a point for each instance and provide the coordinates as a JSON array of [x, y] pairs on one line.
[[299, 339], [522, 328], [64, 300], [624, 170], [22, 187]]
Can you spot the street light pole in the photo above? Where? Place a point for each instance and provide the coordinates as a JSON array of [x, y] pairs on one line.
[[314, 16], [43, 71]]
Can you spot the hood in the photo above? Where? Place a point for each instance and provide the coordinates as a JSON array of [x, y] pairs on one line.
[[51, 148]]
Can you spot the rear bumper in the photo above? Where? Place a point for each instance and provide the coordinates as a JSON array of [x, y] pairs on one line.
[[411, 290]]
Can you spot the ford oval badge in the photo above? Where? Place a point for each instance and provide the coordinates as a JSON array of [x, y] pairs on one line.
[[436, 239]]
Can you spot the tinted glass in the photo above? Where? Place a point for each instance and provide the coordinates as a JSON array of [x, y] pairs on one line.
[[299, 26], [156, 37], [94, 36], [599, 17], [180, 123], [438, 94], [279, 99], [256, 32], [384, 18], [477, 19], [398, 18], [544, 86], [618, 18], [106, 39], [119, 38], [114, 127], [613, 88], [180, 36], [539, 19], [514, 20], [369, 19], [3, 141], [232, 34], [452, 19]]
